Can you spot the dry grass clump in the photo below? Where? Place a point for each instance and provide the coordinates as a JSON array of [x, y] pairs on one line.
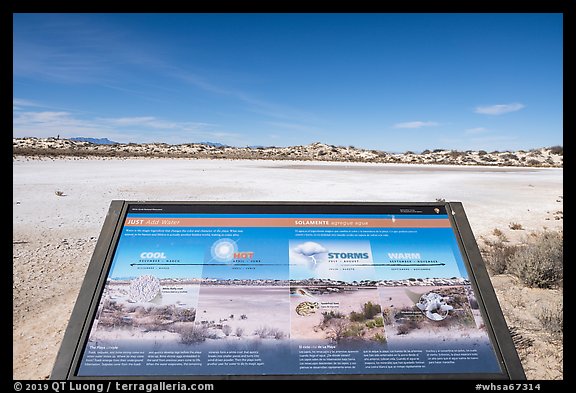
[[537, 262], [515, 226], [497, 252], [269, 332], [191, 333], [552, 318]]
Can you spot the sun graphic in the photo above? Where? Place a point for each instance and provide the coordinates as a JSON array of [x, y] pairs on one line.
[[223, 250]]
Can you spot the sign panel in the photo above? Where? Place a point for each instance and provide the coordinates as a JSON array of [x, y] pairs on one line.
[[373, 290]]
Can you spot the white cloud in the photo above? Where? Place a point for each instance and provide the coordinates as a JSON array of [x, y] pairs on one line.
[[130, 121], [416, 124], [309, 249], [20, 103], [154, 122], [23, 102], [476, 130], [122, 129], [499, 109]]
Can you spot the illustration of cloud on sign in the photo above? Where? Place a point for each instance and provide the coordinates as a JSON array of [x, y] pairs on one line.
[[310, 250]]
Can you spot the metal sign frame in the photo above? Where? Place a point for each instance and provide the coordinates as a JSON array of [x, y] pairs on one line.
[[76, 335]]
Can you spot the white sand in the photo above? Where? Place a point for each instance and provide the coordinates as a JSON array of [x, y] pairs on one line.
[[54, 236], [491, 196]]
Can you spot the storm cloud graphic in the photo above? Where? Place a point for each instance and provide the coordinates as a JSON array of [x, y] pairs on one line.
[[310, 250]]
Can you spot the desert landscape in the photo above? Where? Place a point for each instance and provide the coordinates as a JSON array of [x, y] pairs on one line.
[[351, 314], [222, 313], [405, 322], [60, 200]]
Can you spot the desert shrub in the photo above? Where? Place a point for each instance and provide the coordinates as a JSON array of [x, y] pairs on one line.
[[113, 305], [461, 318], [426, 151], [243, 316], [409, 152], [379, 338], [328, 315], [192, 334], [482, 152], [239, 331], [533, 162], [456, 154], [552, 318], [509, 156], [226, 329], [376, 322], [267, 332], [515, 226], [437, 150], [559, 150], [357, 317], [165, 311], [388, 316], [262, 332], [354, 330], [539, 263], [497, 254], [184, 314], [277, 334], [498, 232], [404, 328], [370, 310]]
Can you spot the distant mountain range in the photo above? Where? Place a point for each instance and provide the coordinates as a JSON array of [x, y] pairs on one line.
[[215, 144], [96, 141], [106, 141]]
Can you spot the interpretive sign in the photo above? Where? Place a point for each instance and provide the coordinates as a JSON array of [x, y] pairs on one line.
[[301, 290]]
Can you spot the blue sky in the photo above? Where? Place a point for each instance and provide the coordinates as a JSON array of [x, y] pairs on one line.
[[393, 82]]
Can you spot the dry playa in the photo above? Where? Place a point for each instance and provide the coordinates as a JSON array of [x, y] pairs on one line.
[[54, 235]]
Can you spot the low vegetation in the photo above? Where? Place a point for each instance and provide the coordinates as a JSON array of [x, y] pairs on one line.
[[497, 252], [552, 318], [191, 333], [537, 261], [53, 148], [515, 226], [268, 332], [367, 324]]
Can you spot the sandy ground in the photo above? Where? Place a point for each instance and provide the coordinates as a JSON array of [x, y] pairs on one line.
[[264, 307], [54, 236]]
